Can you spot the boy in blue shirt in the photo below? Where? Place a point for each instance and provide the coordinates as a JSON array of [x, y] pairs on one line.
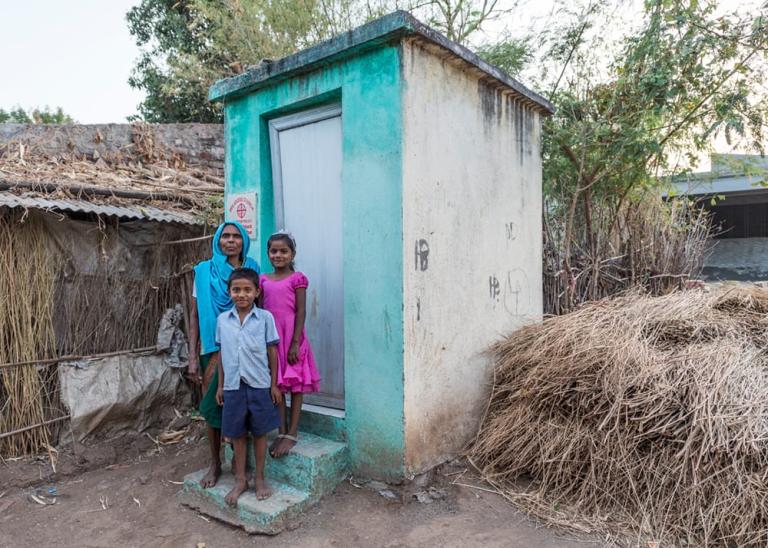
[[247, 379]]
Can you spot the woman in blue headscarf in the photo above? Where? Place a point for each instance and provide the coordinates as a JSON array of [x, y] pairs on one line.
[[210, 297]]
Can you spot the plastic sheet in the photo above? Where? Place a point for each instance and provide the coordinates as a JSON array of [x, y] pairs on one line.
[[118, 393]]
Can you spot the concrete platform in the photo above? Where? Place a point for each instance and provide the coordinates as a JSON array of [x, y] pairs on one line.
[[280, 511], [315, 465], [313, 468]]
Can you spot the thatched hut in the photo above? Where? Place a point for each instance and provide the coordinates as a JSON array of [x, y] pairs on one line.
[[99, 226]]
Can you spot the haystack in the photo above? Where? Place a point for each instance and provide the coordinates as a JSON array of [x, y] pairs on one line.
[[639, 415]]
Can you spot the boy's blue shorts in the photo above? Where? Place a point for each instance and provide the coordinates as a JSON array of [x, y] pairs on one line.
[[248, 409]]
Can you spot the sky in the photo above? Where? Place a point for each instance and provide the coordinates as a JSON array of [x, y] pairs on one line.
[[76, 54]]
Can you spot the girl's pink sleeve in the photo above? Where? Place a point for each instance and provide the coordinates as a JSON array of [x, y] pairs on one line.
[[300, 280]]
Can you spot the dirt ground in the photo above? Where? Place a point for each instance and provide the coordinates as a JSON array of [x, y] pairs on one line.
[[138, 481]]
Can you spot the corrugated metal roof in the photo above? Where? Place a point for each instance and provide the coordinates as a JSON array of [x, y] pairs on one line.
[[77, 206]]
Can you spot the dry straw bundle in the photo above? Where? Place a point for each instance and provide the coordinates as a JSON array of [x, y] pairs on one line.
[[27, 394], [642, 415]]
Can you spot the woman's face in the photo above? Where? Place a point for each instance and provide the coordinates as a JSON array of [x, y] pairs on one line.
[[231, 242]]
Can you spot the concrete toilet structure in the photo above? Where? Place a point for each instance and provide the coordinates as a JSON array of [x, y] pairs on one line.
[[409, 172]]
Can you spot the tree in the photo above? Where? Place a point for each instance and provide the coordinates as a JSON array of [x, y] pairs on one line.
[[189, 44], [687, 74], [162, 29], [510, 54], [18, 115], [459, 20]]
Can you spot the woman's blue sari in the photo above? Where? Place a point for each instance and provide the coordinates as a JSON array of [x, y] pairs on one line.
[[211, 286]]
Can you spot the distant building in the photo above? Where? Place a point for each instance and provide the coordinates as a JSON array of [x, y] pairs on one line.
[[734, 193]]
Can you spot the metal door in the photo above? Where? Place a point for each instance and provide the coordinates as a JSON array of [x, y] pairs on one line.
[[306, 169]]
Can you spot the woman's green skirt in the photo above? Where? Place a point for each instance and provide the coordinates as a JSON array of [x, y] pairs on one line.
[[209, 409]]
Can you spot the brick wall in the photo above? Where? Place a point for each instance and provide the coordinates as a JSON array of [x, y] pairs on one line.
[[196, 144]]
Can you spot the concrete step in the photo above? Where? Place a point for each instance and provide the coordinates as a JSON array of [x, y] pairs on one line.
[[279, 512], [313, 468], [315, 465], [323, 422]]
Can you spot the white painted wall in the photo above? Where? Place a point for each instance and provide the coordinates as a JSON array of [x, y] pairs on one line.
[[472, 195]]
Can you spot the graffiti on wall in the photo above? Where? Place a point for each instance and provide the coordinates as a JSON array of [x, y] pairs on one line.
[[510, 290]]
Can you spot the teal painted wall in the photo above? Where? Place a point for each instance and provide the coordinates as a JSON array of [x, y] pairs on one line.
[[369, 87]]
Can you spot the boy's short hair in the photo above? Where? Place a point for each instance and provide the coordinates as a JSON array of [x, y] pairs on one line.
[[243, 274]]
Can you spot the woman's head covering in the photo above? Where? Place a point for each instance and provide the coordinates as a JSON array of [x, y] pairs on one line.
[[211, 286], [218, 254]]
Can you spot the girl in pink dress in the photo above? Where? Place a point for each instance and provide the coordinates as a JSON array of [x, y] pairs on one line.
[[284, 294]]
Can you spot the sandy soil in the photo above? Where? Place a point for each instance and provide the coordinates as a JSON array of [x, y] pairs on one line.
[[138, 481]]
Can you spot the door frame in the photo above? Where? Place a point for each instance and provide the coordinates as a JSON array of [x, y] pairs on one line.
[[276, 125], [282, 123]]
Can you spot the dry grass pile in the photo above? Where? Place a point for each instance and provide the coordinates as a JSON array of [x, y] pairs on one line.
[[641, 415], [28, 395]]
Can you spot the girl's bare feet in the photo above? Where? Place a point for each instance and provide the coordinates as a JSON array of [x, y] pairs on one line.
[[210, 479], [263, 491], [287, 443], [275, 443], [240, 486]]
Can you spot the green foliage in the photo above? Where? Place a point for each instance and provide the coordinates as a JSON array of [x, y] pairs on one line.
[[689, 73], [509, 54], [18, 115], [673, 86], [163, 29], [189, 44]]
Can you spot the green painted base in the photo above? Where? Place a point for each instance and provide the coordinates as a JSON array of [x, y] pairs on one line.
[[326, 426], [279, 512], [316, 465]]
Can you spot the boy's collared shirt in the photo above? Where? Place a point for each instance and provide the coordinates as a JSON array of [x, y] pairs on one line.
[[244, 347]]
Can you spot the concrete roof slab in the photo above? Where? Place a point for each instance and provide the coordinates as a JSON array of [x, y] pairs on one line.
[[394, 26]]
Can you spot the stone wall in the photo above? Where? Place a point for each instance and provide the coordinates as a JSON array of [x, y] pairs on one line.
[[738, 259], [195, 144]]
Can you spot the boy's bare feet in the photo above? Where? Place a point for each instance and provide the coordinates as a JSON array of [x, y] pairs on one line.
[[263, 491], [210, 479], [240, 486]]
